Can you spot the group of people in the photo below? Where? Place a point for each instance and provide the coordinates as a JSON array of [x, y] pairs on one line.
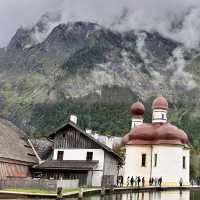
[[155, 181], [138, 181], [131, 181]]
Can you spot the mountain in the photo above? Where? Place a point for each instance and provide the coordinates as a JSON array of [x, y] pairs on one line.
[[96, 73]]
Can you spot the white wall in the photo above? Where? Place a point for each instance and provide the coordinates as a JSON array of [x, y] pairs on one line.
[[157, 116], [80, 154], [169, 162], [133, 162], [186, 171]]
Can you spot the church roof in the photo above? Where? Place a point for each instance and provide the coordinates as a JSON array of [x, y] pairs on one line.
[[137, 108], [14, 145], [160, 103], [159, 133]]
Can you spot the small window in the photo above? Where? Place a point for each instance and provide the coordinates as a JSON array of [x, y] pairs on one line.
[[143, 160], [184, 162], [60, 155], [163, 116], [63, 135], [155, 159], [89, 156]]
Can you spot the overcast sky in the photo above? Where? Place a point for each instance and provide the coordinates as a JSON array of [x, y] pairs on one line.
[[159, 15]]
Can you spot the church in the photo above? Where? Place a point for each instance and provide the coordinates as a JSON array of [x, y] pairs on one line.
[[157, 149]]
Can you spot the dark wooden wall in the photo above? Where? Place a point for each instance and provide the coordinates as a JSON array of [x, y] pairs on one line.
[[72, 138], [13, 170]]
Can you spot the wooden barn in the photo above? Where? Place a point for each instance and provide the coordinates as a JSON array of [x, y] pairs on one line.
[[16, 153], [77, 155]]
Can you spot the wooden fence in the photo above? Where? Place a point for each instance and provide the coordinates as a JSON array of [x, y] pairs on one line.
[[38, 184]]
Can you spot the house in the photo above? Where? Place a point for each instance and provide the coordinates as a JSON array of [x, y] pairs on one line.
[[78, 155], [16, 153], [157, 149]]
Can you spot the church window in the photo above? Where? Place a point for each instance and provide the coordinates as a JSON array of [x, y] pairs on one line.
[[184, 162], [60, 155], [89, 156], [155, 159], [143, 160]]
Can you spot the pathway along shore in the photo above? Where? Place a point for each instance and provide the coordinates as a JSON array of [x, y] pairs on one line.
[[91, 191]]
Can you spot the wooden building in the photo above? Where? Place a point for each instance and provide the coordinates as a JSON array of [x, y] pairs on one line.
[[16, 154], [77, 155]]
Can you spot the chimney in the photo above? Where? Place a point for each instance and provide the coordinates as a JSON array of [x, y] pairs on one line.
[[73, 119], [88, 131]]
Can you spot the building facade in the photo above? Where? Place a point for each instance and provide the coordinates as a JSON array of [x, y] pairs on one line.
[[16, 155], [77, 155], [156, 149]]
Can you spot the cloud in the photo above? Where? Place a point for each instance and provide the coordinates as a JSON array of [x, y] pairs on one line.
[[176, 19], [17, 13]]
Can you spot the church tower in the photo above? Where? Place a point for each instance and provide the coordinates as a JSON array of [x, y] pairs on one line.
[[137, 111]]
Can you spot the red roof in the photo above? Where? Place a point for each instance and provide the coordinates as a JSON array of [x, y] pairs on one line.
[[155, 134], [160, 102], [137, 108]]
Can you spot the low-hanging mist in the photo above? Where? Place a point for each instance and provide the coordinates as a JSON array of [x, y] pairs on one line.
[[176, 19]]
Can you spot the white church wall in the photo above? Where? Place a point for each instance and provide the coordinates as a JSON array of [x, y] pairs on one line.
[[169, 163], [186, 171], [133, 162]]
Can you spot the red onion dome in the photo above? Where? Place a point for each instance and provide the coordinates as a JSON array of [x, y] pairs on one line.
[[168, 132], [156, 134], [137, 108], [125, 139], [160, 103]]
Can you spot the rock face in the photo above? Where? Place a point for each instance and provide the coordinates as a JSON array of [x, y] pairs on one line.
[[52, 70]]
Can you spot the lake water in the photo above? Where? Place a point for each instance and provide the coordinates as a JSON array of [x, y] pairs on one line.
[[166, 195], [169, 195]]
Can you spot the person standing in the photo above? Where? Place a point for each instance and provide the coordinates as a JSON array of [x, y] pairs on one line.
[[138, 181], [181, 182], [132, 181], [128, 180], [156, 181], [136, 178], [118, 181], [143, 181], [160, 182], [150, 181], [122, 181]]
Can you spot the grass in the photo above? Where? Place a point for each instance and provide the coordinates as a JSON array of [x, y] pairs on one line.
[[70, 190], [41, 191]]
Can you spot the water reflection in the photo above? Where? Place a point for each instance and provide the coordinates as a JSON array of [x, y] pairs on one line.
[[169, 195]]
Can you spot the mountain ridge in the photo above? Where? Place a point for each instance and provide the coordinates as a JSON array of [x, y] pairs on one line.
[[89, 70]]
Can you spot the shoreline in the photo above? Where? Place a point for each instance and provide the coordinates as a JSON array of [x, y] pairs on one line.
[[96, 191]]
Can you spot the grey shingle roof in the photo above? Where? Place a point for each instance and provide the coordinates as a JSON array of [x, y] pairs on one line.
[[43, 147], [13, 143], [68, 164]]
